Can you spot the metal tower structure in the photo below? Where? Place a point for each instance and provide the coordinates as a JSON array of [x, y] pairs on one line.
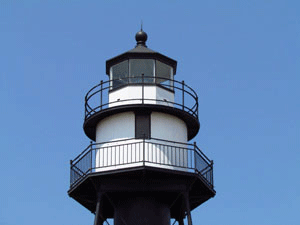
[[140, 168]]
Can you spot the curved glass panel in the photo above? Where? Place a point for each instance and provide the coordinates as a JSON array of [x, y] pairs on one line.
[[130, 72], [119, 74], [139, 67], [164, 71]]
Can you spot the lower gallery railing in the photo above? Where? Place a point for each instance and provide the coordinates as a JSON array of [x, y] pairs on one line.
[[130, 153]]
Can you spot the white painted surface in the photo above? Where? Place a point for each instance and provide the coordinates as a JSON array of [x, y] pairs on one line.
[[133, 153], [115, 127], [152, 95], [111, 129], [117, 155], [168, 127], [122, 153]]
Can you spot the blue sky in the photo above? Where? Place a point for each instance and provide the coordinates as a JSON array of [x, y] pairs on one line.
[[241, 57]]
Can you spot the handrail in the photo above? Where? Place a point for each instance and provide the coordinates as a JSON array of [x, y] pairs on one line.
[[172, 155], [96, 98]]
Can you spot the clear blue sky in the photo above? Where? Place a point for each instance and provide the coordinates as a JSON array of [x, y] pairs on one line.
[[241, 57]]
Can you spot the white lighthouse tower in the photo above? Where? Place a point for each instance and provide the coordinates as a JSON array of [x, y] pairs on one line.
[[140, 167]]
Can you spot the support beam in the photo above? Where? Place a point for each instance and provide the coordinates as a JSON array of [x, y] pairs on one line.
[[114, 206], [98, 215], [188, 209], [182, 211], [180, 221]]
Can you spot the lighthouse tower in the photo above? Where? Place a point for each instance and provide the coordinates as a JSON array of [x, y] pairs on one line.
[[140, 168]]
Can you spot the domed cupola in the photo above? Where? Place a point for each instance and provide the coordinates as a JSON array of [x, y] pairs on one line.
[[141, 38]]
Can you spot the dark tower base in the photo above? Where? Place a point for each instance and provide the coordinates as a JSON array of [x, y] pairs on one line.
[[142, 196], [141, 210]]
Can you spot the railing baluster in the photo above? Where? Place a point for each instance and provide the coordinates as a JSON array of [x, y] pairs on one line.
[[131, 153], [195, 156], [71, 174], [212, 173], [101, 90], [91, 165], [197, 112], [143, 86], [103, 155], [113, 149], [183, 95], [148, 158], [144, 150], [163, 154]]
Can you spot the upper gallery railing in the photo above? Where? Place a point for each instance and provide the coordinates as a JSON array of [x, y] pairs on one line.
[[97, 98], [130, 153]]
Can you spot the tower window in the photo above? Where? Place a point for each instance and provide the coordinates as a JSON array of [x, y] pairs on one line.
[[142, 126]]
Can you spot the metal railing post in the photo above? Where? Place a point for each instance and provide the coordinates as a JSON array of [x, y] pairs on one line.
[[212, 174], [91, 153], [143, 88], [195, 155], [183, 95], [197, 106], [101, 86], [85, 107], [71, 180], [144, 150]]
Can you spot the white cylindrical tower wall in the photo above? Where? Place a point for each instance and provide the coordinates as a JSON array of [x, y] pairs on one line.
[[116, 127], [168, 127], [118, 147], [112, 134]]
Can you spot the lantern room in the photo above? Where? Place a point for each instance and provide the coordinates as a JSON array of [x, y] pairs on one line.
[[139, 67], [129, 67]]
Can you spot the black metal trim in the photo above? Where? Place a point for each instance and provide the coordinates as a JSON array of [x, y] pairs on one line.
[[141, 55], [150, 180], [147, 115]]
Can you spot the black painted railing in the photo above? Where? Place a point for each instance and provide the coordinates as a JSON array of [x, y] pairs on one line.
[[130, 153], [185, 99]]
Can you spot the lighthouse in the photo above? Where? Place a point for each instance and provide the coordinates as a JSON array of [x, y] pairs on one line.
[[141, 166]]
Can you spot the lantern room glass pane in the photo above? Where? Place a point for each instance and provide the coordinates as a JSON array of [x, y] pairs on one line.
[[119, 74], [139, 67], [164, 75]]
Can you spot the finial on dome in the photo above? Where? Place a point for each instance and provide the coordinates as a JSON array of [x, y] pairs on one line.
[[141, 37]]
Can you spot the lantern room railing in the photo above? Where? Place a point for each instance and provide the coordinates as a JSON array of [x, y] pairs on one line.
[[185, 98], [130, 153]]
